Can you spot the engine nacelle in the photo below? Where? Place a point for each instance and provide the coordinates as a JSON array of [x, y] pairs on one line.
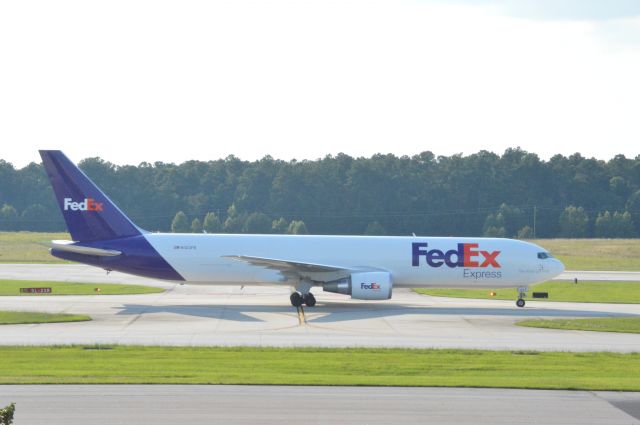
[[363, 286]]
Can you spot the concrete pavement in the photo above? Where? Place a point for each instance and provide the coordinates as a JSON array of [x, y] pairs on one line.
[[262, 316], [207, 404]]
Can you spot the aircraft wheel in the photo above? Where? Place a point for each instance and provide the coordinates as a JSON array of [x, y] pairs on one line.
[[309, 300], [296, 299], [520, 303]]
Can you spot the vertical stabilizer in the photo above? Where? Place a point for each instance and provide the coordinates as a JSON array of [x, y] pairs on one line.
[[89, 213]]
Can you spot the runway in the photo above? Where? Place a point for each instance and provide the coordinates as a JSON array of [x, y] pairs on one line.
[[206, 404], [262, 316]]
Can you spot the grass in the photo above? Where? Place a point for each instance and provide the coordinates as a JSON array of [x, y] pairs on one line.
[[12, 288], [28, 247], [602, 324], [584, 292], [24, 317], [315, 366], [595, 254]]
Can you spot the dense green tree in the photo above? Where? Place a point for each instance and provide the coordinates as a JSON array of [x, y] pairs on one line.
[[603, 225], [633, 207], [507, 217], [297, 227], [180, 223], [481, 193], [514, 218], [494, 224], [235, 220], [8, 218], [196, 226], [257, 223], [8, 186], [495, 232], [616, 225], [619, 186], [525, 233], [624, 224], [36, 218], [212, 223], [375, 229], [279, 226], [574, 222]]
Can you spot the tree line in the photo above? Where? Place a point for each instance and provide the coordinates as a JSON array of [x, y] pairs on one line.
[[515, 194]]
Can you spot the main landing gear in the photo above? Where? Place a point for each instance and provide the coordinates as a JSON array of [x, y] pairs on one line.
[[302, 294], [522, 293], [298, 298]]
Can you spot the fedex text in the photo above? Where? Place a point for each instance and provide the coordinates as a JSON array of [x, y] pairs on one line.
[[88, 204], [466, 255]]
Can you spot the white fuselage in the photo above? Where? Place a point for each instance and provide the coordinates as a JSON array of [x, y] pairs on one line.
[[200, 258]]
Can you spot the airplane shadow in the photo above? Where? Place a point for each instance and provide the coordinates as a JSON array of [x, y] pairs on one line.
[[339, 312]]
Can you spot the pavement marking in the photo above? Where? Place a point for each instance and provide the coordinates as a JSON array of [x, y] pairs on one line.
[[301, 317]]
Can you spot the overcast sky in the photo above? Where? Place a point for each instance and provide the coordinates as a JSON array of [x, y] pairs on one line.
[[134, 81]]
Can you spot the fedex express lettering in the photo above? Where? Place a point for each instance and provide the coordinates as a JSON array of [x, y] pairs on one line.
[[89, 204], [467, 255]]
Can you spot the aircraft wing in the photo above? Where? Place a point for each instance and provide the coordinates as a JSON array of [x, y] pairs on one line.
[[290, 268]]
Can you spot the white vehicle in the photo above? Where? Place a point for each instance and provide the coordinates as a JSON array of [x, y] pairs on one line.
[[364, 267]]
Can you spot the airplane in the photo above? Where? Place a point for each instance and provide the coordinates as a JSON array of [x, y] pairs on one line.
[[363, 267]]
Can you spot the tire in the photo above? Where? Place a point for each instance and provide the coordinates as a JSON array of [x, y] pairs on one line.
[[520, 303], [296, 299], [310, 300]]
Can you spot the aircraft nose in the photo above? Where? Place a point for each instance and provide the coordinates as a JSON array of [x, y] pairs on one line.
[[558, 267]]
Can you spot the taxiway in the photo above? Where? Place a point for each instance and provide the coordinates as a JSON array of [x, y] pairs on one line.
[[206, 404], [189, 315]]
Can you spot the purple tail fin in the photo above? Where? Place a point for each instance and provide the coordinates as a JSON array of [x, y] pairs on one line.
[[89, 213]]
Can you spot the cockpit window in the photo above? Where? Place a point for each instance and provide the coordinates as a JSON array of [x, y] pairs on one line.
[[544, 255]]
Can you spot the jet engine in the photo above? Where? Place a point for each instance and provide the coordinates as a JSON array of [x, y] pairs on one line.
[[363, 286]]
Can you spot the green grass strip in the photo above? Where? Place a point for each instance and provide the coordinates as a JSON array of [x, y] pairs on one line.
[[29, 247], [24, 317], [584, 292], [601, 324], [314, 366], [12, 287], [595, 254]]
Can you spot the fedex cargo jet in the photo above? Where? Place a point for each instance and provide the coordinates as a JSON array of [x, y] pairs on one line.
[[363, 267]]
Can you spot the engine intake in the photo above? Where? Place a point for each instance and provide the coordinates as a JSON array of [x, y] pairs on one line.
[[363, 286]]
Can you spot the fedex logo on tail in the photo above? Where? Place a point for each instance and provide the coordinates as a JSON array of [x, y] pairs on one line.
[[89, 204], [467, 255]]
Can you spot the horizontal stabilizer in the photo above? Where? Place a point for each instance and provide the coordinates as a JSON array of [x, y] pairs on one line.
[[70, 246]]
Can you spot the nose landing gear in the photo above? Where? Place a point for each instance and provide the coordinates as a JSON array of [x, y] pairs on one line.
[[522, 293]]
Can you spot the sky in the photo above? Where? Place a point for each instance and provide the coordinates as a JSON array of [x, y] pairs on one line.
[[132, 81]]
